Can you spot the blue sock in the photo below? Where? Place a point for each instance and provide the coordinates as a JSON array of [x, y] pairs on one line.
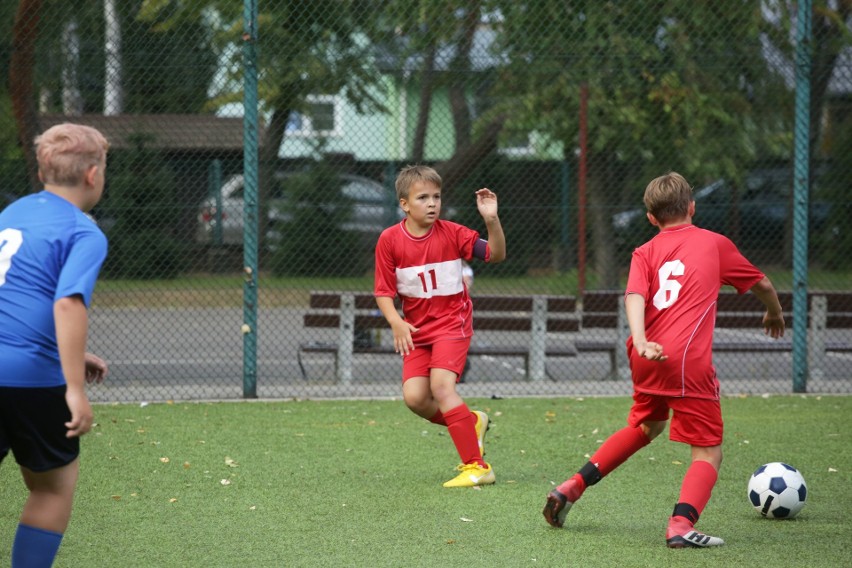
[[34, 547]]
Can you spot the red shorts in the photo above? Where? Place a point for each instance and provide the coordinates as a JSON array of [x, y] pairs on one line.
[[695, 421], [450, 355]]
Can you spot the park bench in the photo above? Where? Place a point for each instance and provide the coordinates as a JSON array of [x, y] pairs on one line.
[[827, 311], [354, 315]]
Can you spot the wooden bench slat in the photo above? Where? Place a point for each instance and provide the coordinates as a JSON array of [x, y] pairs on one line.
[[566, 350], [600, 310]]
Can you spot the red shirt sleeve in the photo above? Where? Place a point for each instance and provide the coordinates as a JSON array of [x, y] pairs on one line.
[[736, 270], [385, 275]]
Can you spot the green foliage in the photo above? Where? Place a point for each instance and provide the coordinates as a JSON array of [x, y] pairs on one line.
[[13, 170], [139, 213], [835, 241], [313, 241], [179, 87], [147, 85], [532, 228], [358, 483], [658, 97]]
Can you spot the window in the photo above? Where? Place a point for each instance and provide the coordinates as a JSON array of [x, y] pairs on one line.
[[322, 117]]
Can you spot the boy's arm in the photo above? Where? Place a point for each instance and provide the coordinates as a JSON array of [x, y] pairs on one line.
[[773, 319], [486, 202], [634, 304], [72, 324], [402, 330]]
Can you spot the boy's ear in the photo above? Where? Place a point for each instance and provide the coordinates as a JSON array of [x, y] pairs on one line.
[[692, 208], [90, 175], [652, 219]]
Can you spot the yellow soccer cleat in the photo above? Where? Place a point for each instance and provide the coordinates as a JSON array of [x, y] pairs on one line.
[[472, 474], [482, 426]]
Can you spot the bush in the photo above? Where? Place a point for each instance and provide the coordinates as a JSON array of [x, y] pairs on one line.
[[312, 242], [139, 214]]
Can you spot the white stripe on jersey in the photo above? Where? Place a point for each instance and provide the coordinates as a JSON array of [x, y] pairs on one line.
[[438, 279]]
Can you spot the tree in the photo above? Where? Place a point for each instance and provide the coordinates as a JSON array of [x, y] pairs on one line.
[[831, 35], [39, 65], [434, 39], [315, 47], [672, 85], [21, 68]]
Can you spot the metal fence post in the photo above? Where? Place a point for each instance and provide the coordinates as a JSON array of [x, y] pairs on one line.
[[250, 163], [801, 179]]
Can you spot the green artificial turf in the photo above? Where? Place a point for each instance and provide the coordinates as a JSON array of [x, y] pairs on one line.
[[358, 483]]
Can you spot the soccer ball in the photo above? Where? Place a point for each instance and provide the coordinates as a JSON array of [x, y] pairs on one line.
[[777, 490]]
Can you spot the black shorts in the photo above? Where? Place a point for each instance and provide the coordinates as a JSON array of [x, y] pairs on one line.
[[32, 425]]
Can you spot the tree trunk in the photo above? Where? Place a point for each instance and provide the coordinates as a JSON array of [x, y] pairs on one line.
[[600, 179], [418, 148], [113, 74], [460, 68], [21, 65], [457, 167], [72, 100]]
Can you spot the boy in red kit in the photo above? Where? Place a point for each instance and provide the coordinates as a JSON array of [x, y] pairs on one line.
[[670, 300], [420, 259]]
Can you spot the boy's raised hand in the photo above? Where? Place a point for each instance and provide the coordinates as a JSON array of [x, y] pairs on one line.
[[486, 202]]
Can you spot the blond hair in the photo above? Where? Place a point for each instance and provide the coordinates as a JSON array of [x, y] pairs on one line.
[[66, 151], [667, 197], [410, 175]]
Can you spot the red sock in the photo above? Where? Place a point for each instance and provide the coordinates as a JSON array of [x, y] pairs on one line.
[[696, 488], [618, 447], [461, 424], [438, 418]]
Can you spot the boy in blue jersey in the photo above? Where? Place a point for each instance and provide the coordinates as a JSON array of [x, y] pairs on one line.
[[50, 256]]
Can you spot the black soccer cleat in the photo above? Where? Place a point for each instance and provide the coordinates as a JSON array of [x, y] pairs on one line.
[[556, 508]]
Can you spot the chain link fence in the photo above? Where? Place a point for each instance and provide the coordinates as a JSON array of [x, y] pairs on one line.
[[255, 146]]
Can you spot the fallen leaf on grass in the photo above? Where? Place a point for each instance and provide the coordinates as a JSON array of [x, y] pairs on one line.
[[466, 520], [832, 470], [225, 482], [230, 462], [172, 500], [116, 497], [676, 462], [164, 460]]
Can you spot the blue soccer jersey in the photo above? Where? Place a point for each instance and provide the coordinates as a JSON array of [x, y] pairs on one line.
[[49, 249]]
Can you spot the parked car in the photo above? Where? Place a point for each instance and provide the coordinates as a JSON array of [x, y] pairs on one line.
[[373, 208], [763, 208]]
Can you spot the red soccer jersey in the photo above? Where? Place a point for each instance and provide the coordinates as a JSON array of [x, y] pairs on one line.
[[426, 273], [679, 273]]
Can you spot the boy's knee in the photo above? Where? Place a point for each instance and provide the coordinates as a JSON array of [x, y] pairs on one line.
[[653, 429]]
